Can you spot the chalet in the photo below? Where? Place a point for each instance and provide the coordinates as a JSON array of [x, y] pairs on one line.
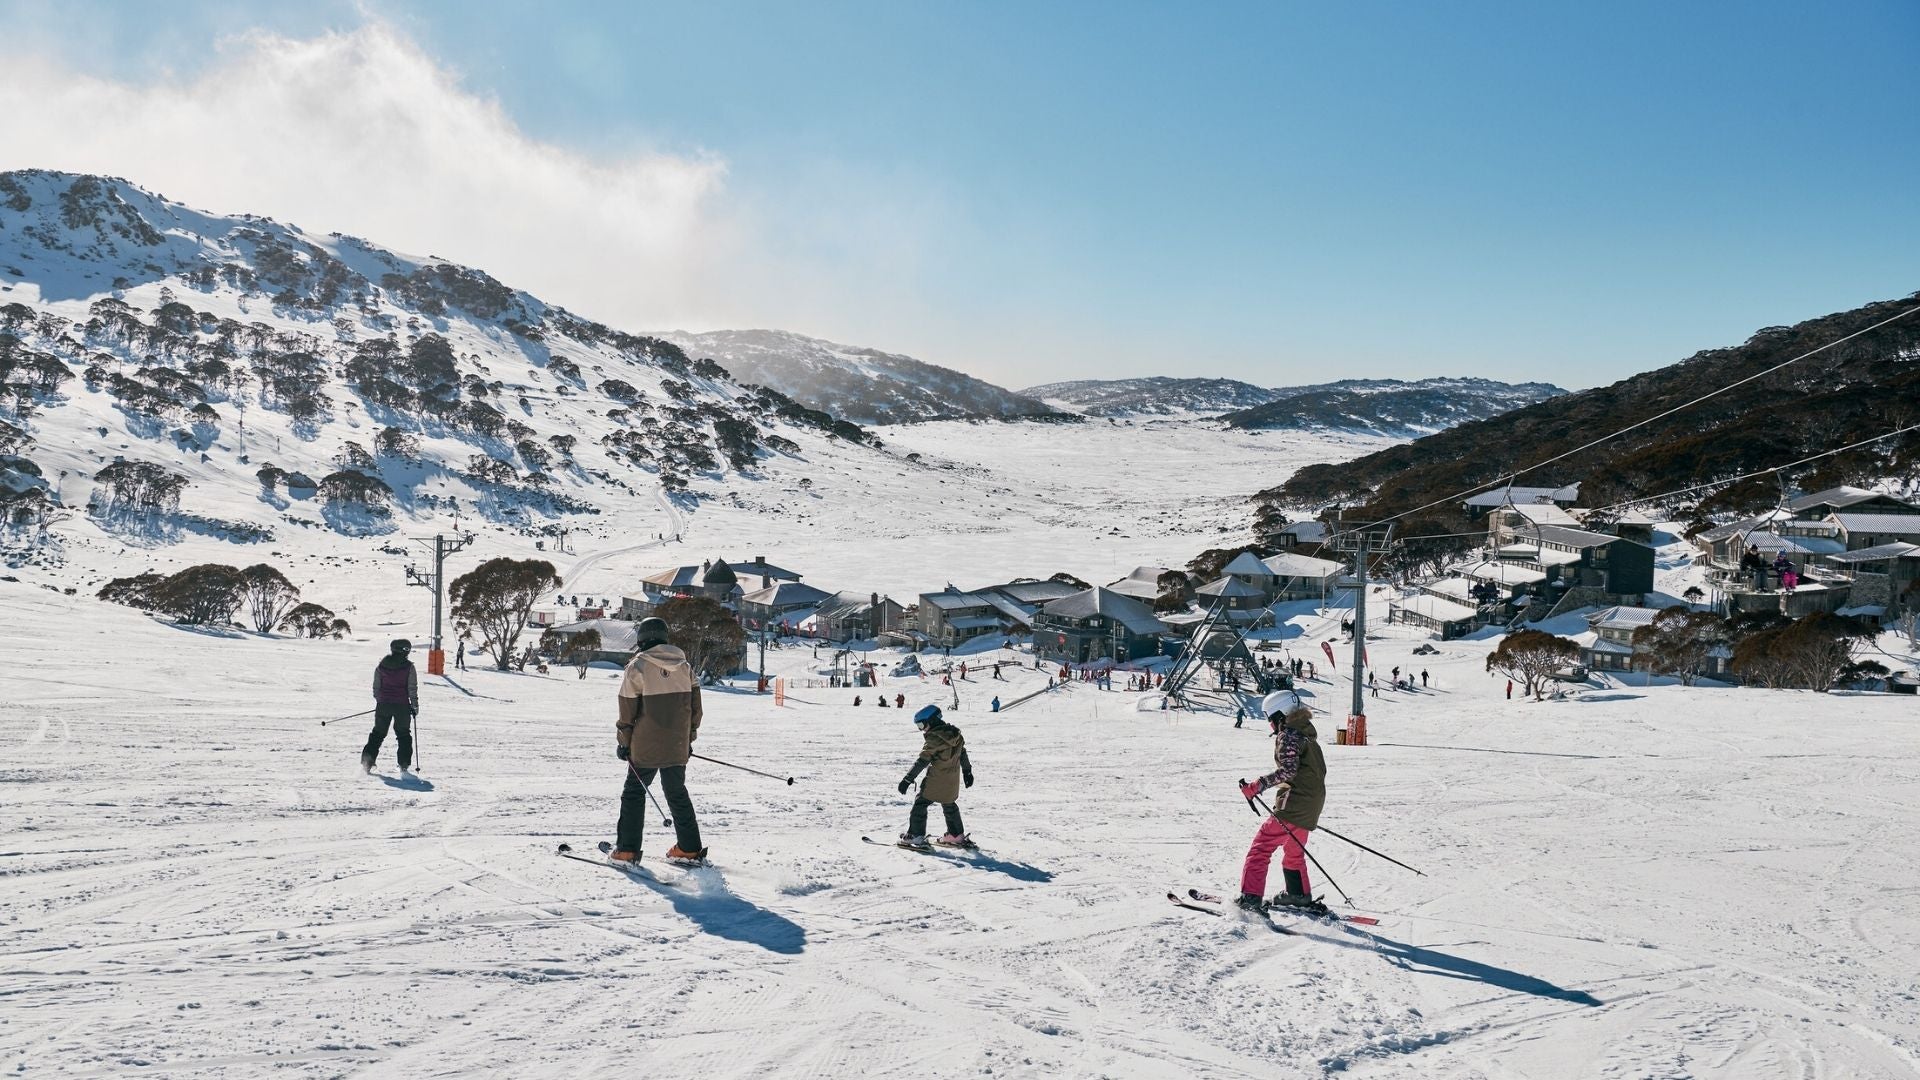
[[1863, 530], [1576, 557], [1300, 577], [951, 617], [1094, 624], [1247, 569], [1612, 645], [1018, 601], [618, 639], [853, 616], [1507, 524], [761, 571], [1886, 577], [786, 602], [1850, 499], [1487, 501], [1240, 601], [1446, 618], [1804, 541], [1142, 584], [1300, 534]]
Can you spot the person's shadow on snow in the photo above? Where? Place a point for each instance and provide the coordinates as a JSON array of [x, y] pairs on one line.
[[407, 782], [704, 899], [1432, 961]]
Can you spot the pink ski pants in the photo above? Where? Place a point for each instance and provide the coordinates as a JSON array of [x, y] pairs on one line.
[[1274, 834]]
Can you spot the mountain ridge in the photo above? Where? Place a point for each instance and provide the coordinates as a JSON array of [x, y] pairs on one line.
[[1391, 406]]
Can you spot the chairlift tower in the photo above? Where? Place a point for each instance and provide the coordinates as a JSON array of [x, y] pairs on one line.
[[441, 546], [1362, 543]]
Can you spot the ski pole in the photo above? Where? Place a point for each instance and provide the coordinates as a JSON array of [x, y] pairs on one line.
[[635, 773], [1368, 850], [1348, 900], [349, 716], [743, 768]]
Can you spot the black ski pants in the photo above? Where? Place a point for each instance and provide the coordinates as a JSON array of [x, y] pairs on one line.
[[917, 820], [401, 719], [633, 808]]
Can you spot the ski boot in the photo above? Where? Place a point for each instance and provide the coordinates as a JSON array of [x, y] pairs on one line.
[[686, 858], [623, 855], [916, 843], [1296, 899], [1249, 902], [961, 840], [366, 763]]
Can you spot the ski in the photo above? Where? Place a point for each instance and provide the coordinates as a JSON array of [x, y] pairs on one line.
[[633, 869], [606, 849], [951, 851], [1206, 909], [1331, 916]]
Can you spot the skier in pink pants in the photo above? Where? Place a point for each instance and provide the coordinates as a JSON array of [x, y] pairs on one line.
[[1300, 785]]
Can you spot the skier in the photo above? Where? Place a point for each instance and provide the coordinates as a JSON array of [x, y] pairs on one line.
[[899, 701], [460, 656], [944, 757], [396, 701], [659, 720], [1509, 689], [1423, 678], [996, 704], [1300, 781], [880, 700]]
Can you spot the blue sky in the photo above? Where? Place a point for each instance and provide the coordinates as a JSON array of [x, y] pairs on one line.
[[1276, 192]]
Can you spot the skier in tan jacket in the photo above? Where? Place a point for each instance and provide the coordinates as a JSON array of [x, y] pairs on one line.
[[659, 719], [943, 755]]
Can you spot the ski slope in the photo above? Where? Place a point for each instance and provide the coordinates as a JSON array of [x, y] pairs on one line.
[[1633, 882]]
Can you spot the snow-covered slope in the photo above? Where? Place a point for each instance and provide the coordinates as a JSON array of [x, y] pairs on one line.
[[866, 386], [1390, 406], [1633, 882]]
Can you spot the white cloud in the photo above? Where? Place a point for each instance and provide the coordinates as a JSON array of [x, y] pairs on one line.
[[362, 132]]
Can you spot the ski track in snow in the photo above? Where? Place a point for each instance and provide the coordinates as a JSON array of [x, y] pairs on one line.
[[199, 882]]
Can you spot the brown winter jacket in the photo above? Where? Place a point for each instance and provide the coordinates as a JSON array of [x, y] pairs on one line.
[[659, 708], [944, 756], [1297, 753]]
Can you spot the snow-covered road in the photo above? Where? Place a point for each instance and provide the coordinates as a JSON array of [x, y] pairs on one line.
[[197, 881]]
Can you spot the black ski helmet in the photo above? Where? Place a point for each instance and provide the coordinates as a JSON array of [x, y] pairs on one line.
[[400, 646], [652, 631]]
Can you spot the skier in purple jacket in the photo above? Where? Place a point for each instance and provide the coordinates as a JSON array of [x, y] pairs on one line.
[[396, 701]]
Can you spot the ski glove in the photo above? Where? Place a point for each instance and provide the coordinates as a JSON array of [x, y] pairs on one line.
[[905, 784], [1251, 788], [967, 780], [620, 752], [415, 711]]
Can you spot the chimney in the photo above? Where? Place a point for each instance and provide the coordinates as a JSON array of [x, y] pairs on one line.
[[759, 560]]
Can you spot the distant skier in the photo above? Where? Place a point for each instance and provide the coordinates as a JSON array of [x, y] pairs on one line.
[[996, 704], [1423, 678], [396, 701], [943, 755], [1509, 689], [460, 656], [899, 701], [880, 700], [659, 720], [1300, 781]]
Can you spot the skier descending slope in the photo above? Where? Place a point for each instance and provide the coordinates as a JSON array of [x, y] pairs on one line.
[[943, 755], [1301, 784], [659, 719], [396, 701]]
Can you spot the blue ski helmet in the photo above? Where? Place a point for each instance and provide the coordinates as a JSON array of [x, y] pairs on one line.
[[927, 715]]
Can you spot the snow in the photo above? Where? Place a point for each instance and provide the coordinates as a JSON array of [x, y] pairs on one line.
[[1632, 882]]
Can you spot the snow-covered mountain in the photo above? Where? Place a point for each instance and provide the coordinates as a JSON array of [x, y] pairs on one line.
[[1387, 406], [866, 386]]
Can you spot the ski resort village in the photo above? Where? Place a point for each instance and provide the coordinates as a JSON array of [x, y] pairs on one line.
[[1350, 609]]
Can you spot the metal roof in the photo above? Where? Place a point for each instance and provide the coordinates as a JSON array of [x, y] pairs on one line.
[[1844, 495], [1247, 563], [787, 594], [1577, 538], [680, 577], [1614, 618], [765, 570], [1125, 610], [616, 635], [1501, 496], [951, 601], [1228, 586], [1287, 564], [1031, 592], [1878, 523], [1895, 550]]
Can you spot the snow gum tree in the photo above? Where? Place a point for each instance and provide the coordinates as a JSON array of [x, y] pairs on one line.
[[1678, 642], [1532, 656], [706, 632], [269, 595], [497, 597]]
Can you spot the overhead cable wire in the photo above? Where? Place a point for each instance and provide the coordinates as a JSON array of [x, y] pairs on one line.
[[1510, 477], [1638, 500]]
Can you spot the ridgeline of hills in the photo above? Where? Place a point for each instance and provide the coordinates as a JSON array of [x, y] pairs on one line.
[[866, 386], [1855, 390], [1383, 406]]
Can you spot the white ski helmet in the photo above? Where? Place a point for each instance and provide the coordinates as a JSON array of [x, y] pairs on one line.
[[1279, 703]]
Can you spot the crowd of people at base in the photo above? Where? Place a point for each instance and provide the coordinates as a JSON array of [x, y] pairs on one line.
[[1754, 566]]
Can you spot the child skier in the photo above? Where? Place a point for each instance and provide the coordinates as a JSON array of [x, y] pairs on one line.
[[944, 757], [1300, 784]]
